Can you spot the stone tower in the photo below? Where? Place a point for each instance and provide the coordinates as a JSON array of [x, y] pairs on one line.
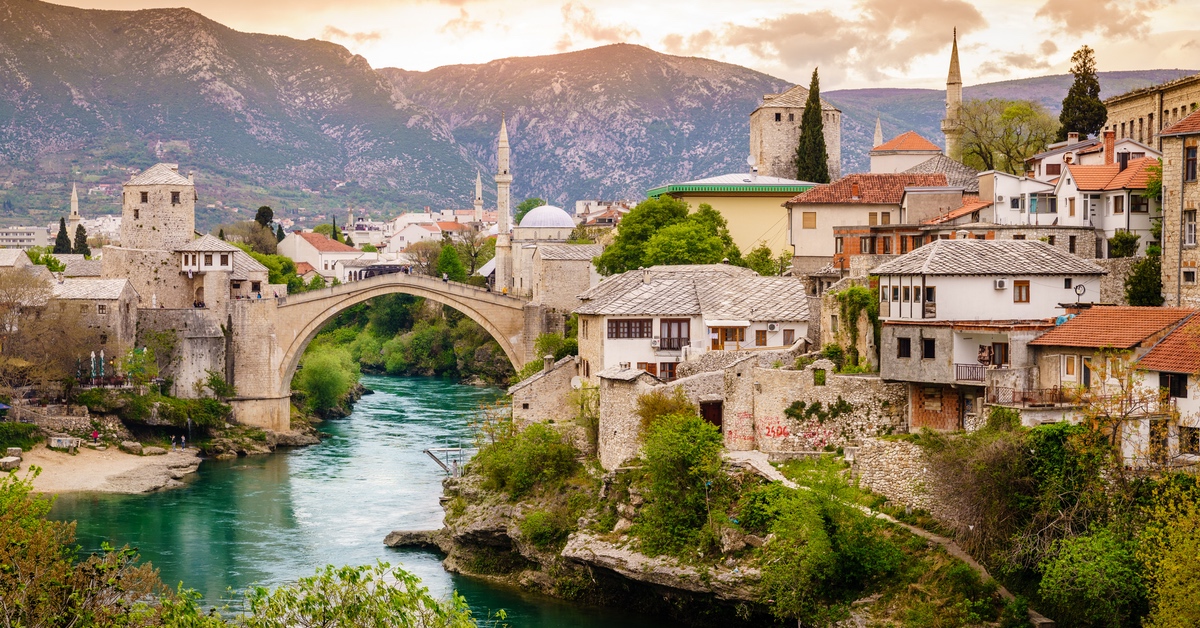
[[775, 133], [878, 133], [159, 209], [478, 197], [74, 219], [951, 124], [504, 264]]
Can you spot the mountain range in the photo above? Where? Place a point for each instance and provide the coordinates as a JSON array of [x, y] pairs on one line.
[[308, 127]]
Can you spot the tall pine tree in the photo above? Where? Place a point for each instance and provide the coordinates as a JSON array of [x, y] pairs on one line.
[[81, 246], [334, 236], [279, 233], [1082, 110], [62, 242], [812, 160]]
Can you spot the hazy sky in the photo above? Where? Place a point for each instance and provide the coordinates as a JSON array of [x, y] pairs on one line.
[[856, 43]]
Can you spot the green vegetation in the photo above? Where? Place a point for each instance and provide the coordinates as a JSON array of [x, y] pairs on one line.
[[326, 376], [42, 256], [132, 407], [537, 457], [554, 344], [23, 435], [812, 158], [81, 244], [525, 206], [762, 261], [449, 265], [264, 216], [853, 302], [1123, 244], [661, 231], [1082, 110], [1144, 286], [1001, 134], [62, 241]]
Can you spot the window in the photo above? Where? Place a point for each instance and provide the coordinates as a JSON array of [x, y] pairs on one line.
[[1189, 227], [883, 294], [789, 337], [928, 347], [896, 293], [666, 370], [872, 219], [1189, 163], [1071, 206], [649, 367], [1068, 367], [885, 218], [136, 213], [1189, 440], [224, 259], [791, 117], [103, 339], [884, 245], [1020, 292], [1050, 240], [1067, 283], [809, 220], [930, 294], [833, 323], [734, 334], [906, 291], [779, 117], [101, 308], [903, 245], [1000, 353], [174, 198], [208, 259], [1119, 204], [864, 245], [1053, 169], [1175, 383], [1019, 237], [1139, 204], [1189, 276], [255, 286], [145, 197], [1015, 203], [674, 333], [904, 347], [630, 328], [1053, 204], [583, 328], [1071, 239], [760, 338], [838, 245], [918, 241]]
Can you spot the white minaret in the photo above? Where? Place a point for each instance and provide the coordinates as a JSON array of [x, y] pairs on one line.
[[951, 124], [74, 219], [504, 263], [878, 133], [478, 197]]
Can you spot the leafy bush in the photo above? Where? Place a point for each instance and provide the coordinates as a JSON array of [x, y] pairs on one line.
[[684, 483], [760, 506], [658, 403], [97, 400], [202, 412], [1123, 244], [1091, 580], [1167, 550], [23, 435], [537, 456], [325, 378], [798, 562], [544, 529], [834, 353]]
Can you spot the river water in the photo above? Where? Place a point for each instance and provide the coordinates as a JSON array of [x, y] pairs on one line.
[[272, 519]]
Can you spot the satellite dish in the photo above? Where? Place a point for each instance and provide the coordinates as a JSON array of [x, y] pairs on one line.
[[1080, 289], [750, 161]]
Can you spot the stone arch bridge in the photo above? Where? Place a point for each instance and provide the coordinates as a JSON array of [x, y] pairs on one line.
[[270, 335]]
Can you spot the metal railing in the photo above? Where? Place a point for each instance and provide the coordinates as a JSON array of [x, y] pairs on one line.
[[673, 344], [969, 372], [1032, 397]]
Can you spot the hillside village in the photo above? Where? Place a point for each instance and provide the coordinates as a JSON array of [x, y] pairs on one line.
[[920, 297]]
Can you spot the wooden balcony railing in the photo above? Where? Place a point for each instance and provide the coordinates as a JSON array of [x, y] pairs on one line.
[[969, 372]]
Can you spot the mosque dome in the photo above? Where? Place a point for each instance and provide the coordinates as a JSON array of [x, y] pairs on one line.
[[547, 216]]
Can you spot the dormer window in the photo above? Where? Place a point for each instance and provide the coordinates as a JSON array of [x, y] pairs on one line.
[[174, 198], [224, 259]]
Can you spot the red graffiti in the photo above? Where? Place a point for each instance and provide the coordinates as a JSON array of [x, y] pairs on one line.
[[776, 431]]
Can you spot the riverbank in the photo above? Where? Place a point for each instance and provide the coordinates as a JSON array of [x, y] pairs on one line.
[[108, 471]]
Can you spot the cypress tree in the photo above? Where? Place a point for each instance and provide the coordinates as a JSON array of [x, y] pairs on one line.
[[1082, 110], [279, 233], [62, 242], [334, 236], [812, 160], [221, 234], [81, 245]]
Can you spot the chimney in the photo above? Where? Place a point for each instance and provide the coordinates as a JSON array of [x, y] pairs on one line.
[[1110, 144], [1122, 161], [192, 177], [547, 362], [1072, 138], [754, 173], [645, 275], [962, 234], [854, 190]]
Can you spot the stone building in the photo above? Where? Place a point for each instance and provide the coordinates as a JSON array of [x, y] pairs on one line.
[[105, 305], [562, 272], [1143, 114], [775, 133], [158, 209], [545, 225], [902, 153], [952, 127], [1180, 202]]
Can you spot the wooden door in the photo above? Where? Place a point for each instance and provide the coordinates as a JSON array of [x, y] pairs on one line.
[[711, 412]]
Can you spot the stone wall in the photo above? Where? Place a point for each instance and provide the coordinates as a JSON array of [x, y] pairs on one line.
[[836, 331], [200, 345], [158, 224], [773, 144], [153, 274], [897, 470], [1178, 196], [1112, 285], [256, 356], [78, 424], [720, 360], [557, 283], [545, 397], [1139, 113], [620, 426]]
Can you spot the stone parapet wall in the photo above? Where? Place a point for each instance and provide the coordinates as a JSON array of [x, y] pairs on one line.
[[898, 470], [200, 345], [545, 397], [110, 427]]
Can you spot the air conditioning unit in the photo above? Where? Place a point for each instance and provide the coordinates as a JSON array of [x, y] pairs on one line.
[[654, 343], [1000, 284], [772, 327], [1000, 198]]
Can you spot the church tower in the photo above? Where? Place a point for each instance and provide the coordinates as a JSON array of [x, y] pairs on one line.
[[504, 262], [74, 219], [951, 124], [478, 197]]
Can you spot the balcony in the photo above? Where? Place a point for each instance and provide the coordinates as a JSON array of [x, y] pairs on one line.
[[673, 344], [969, 372]]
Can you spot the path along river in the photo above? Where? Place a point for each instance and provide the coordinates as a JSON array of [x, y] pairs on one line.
[[272, 519]]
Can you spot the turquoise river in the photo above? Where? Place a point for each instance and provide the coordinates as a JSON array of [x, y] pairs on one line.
[[272, 519]]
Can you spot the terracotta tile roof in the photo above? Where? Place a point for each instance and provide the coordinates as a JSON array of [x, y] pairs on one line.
[[303, 268], [1116, 326], [451, 226], [971, 204], [873, 189], [1135, 176], [324, 244], [1111, 177], [1179, 352], [907, 141], [1092, 177], [957, 174], [1187, 126], [988, 258]]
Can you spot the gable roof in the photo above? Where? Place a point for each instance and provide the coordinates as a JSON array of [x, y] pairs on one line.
[[736, 182], [207, 243], [1178, 352], [1065, 147], [797, 96], [578, 252], [1110, 176], [303, 268], [957, 174], [325, 245], [14, 257], [971, 204], [160, 174], [714, 291], [873, 189], [908, 141], [1187, 126], [94, 289], [988, 257], [243, 265], [1116, 326], [451, 226]]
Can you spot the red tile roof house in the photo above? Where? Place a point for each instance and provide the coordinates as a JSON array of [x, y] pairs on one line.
[[317, 250], [1170, 367]]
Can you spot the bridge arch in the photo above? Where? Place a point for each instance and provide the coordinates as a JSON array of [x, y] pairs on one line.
[[299, 318]]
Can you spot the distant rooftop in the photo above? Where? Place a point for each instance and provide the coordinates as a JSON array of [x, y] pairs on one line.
[[160, 174], [988, 257], [735, 182]]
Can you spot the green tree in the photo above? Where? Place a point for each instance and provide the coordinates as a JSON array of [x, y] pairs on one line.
[[279, 235], [1123, 244], [369, 248], [333, 230], [1092, 580], [81, 246], [62, 242], [1154, 181], [1167, 549], [1143, 286], [627, 251], [684, 243], [324, 379], [1001, 134], [812, 158], [1082, 110], [264, 216], [450, 265], [221, 234], [713, 222], [524, 206]]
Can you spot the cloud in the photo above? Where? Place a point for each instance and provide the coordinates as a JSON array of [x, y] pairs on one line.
[[884, 35], [1114, 18], [1005, 63], [695, 44], [580, 21], [332, 33], [462, 25], [1048, 47]]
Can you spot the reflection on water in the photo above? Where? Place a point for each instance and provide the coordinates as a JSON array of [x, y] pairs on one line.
[[271, 519]]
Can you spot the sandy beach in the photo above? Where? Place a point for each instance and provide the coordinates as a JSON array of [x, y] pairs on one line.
[[108, 471]]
